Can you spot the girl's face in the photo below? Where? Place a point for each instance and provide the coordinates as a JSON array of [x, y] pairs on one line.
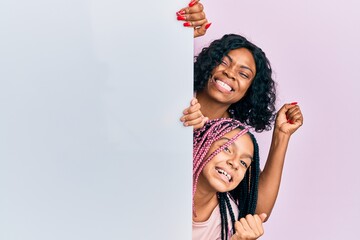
[[227, 169], [230, 80]]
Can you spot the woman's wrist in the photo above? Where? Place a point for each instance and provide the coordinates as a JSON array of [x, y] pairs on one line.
[[280, 137]]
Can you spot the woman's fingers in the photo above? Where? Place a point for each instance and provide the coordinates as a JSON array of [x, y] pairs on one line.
[[192, 118], [189, 11], [196, 8], [202, 123], [192, 115], [200, 31], [195, 24], [194, 122], [194, 17]]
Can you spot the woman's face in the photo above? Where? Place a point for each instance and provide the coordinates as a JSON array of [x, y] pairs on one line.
[[230, 80], [226, 170]]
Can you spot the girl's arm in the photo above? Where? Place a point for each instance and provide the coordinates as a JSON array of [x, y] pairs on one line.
[[288, 120]]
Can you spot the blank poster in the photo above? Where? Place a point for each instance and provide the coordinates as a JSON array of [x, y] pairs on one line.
[[91, 146]]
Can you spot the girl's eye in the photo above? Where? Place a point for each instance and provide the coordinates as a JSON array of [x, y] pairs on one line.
[[243, 163], [223, 62], [227, 150]]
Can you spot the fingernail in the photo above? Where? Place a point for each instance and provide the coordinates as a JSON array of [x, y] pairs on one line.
[[207, 25], [192, 3], [181, 12], [187, 24], [293, 103], [179, 17]]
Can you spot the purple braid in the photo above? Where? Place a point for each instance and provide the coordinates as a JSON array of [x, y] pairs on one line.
[[204, 137]]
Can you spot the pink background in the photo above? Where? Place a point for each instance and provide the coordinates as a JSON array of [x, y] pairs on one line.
[[313, 47]]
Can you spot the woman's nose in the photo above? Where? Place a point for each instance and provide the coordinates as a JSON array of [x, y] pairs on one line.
[[229, 73]]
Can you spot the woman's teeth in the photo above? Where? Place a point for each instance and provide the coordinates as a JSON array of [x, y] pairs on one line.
[[224, 85]]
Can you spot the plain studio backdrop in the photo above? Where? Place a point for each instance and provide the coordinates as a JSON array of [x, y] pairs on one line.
[[314, 50]]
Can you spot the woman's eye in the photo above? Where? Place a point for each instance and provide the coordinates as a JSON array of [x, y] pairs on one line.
[[243, 163], [223, 62], [244, 75]]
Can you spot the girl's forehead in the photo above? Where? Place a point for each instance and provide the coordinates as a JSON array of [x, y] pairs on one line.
[[232, 134], [241, 142]]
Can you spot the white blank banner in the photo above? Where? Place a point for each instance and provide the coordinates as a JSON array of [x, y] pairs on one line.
[[91, 146]]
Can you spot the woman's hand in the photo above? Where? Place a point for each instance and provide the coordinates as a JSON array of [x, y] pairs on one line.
[[193, 116], [289, 118], [194, 17], [249, 228]]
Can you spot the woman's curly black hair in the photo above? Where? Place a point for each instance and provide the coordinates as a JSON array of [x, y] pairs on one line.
[[257, 107]]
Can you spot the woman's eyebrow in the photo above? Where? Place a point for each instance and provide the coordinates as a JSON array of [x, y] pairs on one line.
[[230, 59], [242, 66]]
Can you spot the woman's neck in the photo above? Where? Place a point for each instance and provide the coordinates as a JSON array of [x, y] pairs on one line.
[[211, 108]]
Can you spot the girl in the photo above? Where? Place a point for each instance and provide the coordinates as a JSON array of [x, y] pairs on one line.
[[225, 181]]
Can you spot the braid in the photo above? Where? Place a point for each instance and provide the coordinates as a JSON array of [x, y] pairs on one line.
[[254, 177], [225, 206], [232, 216], [246, 193], [224, 220]]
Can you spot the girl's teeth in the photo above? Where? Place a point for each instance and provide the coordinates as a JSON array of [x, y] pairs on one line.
[[224, 173]]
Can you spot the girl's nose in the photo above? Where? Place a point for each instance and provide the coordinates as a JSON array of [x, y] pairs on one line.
[[233, 164]]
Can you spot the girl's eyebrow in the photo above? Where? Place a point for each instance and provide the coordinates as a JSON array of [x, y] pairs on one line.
[[250, 157], [225, 138]]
